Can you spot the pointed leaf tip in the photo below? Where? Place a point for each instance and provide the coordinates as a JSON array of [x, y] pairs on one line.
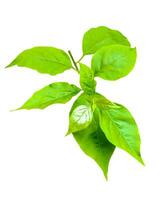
[[59, 92]]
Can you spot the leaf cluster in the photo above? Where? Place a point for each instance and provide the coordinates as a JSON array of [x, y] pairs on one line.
[[97, 124]]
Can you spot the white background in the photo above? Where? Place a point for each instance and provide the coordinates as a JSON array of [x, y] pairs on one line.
[[36, 161]]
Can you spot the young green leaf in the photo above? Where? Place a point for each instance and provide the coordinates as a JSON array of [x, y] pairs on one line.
[[94, 144], [48, 60], [121, 129], [87, 82], [113, 62], [81, 113], [95, 38], [59, 92]]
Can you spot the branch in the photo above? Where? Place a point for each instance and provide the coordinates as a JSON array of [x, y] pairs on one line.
[[75, 64]]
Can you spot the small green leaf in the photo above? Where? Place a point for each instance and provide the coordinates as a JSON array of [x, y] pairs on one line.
[[95, 38], [59, 92], [48, 60], [120, 129], [81, 113], [113, 62], [87, 82], [94, 144]]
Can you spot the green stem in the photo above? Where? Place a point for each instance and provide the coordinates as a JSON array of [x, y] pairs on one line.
[[72, 58], [80, 58]]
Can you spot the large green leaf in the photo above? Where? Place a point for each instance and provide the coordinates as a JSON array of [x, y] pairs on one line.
[[95, 38], [113, 62], [87, 82], [81, 113], [94, 143], [47, 60], [59, 92], [120, 128]]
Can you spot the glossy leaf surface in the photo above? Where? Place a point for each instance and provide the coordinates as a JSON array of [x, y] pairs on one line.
[[113, 62], [94, 144], [81, 113], [96, 38], [120, 129], [59, 92], [48, 60]]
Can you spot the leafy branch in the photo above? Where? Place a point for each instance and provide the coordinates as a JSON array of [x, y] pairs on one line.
[[97, 124]]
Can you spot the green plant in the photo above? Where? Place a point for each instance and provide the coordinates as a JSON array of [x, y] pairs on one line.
[[97, 124]]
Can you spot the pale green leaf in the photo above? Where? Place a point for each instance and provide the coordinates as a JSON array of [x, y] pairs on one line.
[[59, 92], [95, 38], [87, 82], [114, 61], [81, 113], [48, 60]]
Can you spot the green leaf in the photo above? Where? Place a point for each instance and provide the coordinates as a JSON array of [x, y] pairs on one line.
[[94, 144], [113, 62], [81, 113], [95, 38], [48, 60], [59, 92], [120, 128], [87, 82]]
